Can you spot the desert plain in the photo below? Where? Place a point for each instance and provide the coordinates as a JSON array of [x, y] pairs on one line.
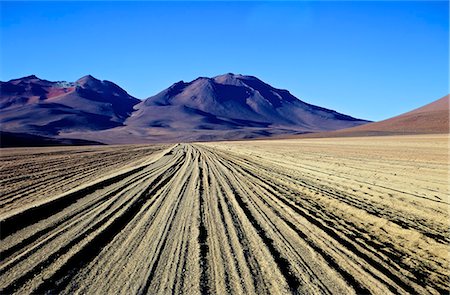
[[361, 215]]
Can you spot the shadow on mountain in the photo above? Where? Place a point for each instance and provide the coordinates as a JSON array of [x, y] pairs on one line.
[[9, 139]]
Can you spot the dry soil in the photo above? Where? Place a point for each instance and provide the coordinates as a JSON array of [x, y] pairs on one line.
[[312, 216]]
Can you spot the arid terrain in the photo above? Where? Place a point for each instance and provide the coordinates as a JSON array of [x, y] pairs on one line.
[[432, 118], [307, 216]]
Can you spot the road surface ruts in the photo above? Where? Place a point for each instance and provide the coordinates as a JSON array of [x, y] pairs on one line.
[[28, 175], [196, 219]]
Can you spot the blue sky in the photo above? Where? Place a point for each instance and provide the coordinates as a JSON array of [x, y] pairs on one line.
[[371, 60]]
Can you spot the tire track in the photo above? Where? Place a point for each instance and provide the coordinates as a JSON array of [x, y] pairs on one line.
[[200, 219], [94, 245], [312, 216], [202, 239], [34, 214], [314, 220]]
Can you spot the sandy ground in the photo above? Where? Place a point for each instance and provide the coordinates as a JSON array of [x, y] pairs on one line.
[[30, 175], [311, 216]]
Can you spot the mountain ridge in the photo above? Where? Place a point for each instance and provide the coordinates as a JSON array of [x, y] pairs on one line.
[[228, 106], [41, 107]]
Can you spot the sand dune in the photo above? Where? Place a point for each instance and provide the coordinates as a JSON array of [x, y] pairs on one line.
[[319, 216]]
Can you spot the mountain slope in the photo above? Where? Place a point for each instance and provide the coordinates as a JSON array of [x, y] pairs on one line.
[[432, 118], [224, 107], [228, 107], [230, 101], [36, 106]]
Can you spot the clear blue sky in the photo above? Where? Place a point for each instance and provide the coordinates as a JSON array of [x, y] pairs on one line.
[[371, 60]]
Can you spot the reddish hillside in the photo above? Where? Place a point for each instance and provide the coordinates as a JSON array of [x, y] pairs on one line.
[[432, 118], [45, 108]]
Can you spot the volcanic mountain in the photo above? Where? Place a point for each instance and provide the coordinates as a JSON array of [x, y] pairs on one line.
[[229, 107], [40, 107], [224, 107], [432, 118]]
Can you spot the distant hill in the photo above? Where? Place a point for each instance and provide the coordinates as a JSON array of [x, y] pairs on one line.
[[432, 118], [40, 107], [223, 107]]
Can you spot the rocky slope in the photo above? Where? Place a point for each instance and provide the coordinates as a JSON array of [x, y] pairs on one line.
[[224, 107], [36, 106]]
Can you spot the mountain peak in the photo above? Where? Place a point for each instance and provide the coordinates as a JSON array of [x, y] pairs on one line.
[[88, 79], [228, 75], [31, 77], [25, 79], [229, 79]]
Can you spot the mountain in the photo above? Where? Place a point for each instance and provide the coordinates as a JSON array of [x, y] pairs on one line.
[[40, 107], [223, 107], [233, 101], [432, 118], [229, 107]]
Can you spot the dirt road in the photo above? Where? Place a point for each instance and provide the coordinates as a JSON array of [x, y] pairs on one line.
[[240, 218]]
